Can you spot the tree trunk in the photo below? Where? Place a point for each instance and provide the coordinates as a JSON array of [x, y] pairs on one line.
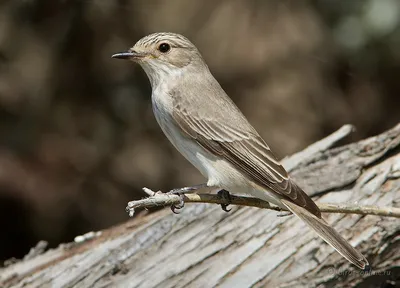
[[247, 247]]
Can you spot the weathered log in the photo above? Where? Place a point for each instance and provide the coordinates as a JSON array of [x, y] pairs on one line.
[[248, 247]]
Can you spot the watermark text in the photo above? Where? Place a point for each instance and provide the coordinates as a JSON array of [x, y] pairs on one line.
[[340, 272]]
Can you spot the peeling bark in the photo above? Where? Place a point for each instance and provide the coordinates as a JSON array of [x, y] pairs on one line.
[[248, 247]]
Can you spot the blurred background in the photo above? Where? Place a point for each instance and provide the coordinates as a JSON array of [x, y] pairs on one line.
[[77, 135]]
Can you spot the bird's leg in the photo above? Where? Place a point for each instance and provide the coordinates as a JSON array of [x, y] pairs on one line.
[[224, 194], [180, 192], [186, 190]]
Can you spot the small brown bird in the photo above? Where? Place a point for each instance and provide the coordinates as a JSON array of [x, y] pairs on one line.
[[205, 125]]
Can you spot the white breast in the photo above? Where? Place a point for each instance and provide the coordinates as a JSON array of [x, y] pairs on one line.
[[218, 172], [162, 108]]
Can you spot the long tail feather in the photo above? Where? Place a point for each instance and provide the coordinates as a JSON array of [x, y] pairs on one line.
[[330, 235]]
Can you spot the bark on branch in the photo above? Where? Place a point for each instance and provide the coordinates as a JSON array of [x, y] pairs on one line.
[[248, 247]]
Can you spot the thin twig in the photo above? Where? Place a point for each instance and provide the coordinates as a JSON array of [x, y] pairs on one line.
[[163, 199]]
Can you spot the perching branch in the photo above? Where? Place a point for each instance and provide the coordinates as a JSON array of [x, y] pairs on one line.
[[164, 199]]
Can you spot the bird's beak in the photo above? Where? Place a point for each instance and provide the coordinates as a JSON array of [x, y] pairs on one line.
[[128, 55]]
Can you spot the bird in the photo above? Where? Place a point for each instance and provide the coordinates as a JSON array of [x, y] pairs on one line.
[[210, 131]]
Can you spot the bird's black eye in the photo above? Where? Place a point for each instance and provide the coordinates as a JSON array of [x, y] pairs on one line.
[[164, 47]]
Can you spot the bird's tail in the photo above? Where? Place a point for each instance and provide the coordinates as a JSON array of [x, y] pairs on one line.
[[330, 235]]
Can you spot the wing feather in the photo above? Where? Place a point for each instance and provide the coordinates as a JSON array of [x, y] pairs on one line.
[[244, 148]]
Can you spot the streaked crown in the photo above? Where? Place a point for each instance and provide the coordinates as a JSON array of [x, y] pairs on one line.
[[175, 40]]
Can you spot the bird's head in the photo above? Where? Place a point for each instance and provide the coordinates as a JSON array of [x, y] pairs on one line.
[[163, 54]]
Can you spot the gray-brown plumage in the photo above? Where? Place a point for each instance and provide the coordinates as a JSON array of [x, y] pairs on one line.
[[231, 137], [203, 123]]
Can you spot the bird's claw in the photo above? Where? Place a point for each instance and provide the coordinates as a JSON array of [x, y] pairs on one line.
[[176, 207], [180, 192], [224, 194], [223, 207]]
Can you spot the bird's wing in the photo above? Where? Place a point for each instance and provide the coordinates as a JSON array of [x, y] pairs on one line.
[[234, 139]]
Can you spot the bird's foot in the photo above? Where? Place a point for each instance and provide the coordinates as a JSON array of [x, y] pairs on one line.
[[225, 196], [180, 191], [175, 208]]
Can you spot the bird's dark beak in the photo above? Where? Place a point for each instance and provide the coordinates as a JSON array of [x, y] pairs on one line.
[[128, 55]]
